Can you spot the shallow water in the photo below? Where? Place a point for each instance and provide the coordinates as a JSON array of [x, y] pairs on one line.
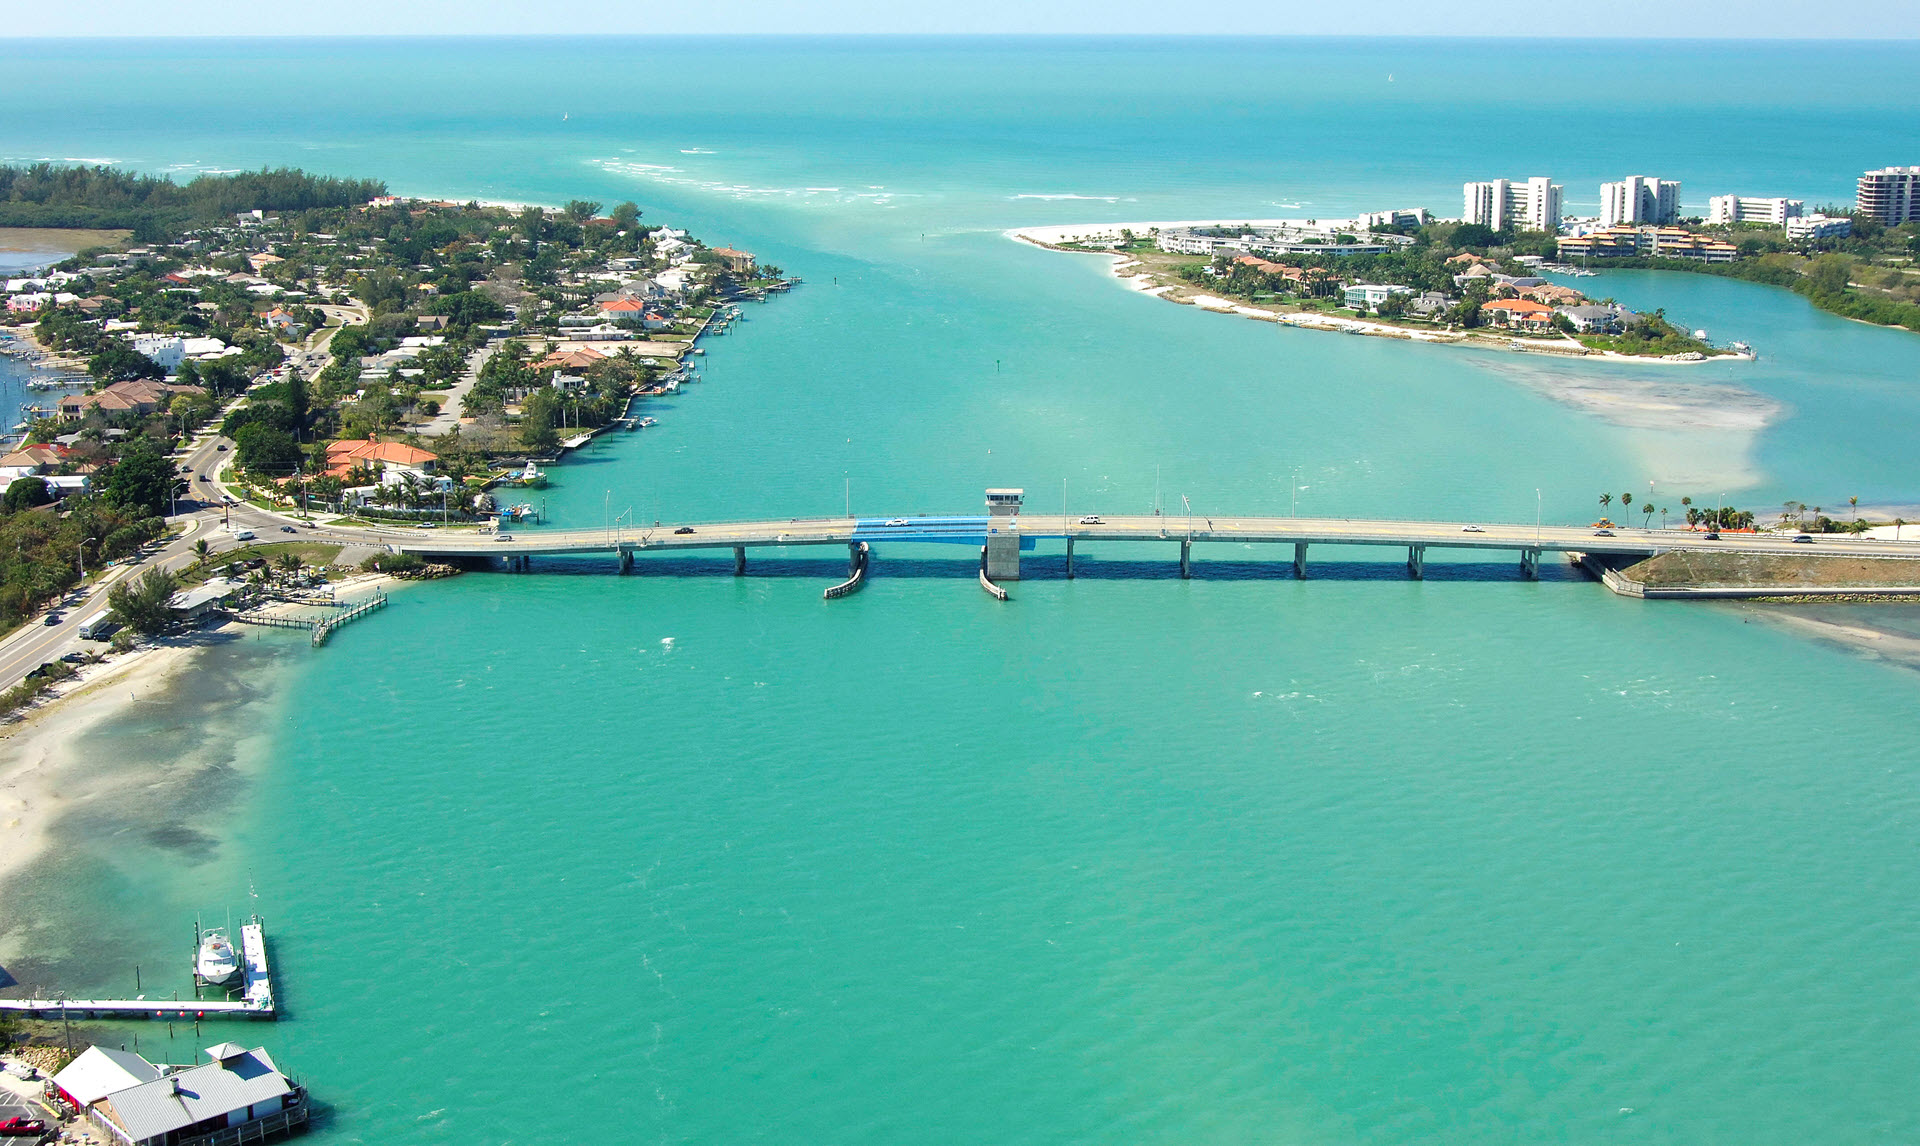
[[1130, 858]]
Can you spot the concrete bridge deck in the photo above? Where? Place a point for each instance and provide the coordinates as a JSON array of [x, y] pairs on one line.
[[1416, 536]]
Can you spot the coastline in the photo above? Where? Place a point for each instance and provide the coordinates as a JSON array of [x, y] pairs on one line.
[[43, 776], [1051, 237]]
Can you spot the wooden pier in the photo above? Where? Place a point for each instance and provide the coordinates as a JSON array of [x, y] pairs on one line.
[[256, 1001], [320, 629], [324, 629]]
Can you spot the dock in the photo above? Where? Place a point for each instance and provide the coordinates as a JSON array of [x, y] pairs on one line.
[[256, 1001]]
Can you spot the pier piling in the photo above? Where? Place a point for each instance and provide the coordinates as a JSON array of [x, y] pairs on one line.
[[1300, 561], [1417, 562], [1069, 558], [1186, 559], [1530, 564], [739, 561]]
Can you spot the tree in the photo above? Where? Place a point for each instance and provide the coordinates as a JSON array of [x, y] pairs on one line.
[[624, 215], [1854, 502], [141, 605], [25, 493], [290, 563], [115, 361], [580, 210], [261, 449], [1626, 503], [141, 480], [202, 552], [1646, 510], [1829, 274], [1606, 499]]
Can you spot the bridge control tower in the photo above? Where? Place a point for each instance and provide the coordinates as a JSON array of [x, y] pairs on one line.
[[1003, 533]]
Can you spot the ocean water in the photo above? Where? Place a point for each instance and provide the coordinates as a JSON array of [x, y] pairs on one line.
[[1130, 858]]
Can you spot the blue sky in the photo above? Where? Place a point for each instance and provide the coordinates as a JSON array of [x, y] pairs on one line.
[[1629, 18]]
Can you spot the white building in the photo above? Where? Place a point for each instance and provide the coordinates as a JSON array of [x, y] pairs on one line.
[[1891, 195], [1818, 227], [1640, 199], [1501, 204], [1372, 295], [166, 351], [1726, 210], [1403, 217]]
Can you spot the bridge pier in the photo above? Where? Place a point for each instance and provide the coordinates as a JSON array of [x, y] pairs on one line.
[[1530, 564], [1069, 558], [1186, 559], [739, 561], [626, 560], [1300, 561], [1417, 562], [853, 556]]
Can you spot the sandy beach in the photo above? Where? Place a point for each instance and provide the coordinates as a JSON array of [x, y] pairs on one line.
[[39, 764]]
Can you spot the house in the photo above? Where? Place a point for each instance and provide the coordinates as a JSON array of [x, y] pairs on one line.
[[1370, 295], [1519, 312], [240, 1092], [165, 350], [278, 320], [1553, 294], [577, 359], [28, 303], [433, 321], [624, 310], [260, 263], [141, 396], [98, 1072], [739, 262], [1593, 319], [343, 457], [1430, 304]]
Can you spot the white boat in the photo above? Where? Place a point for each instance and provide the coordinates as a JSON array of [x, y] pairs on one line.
[[216, 963]]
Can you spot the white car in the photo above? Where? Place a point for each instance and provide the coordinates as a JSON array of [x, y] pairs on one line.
[[1092, 519], [897, 521], [243, 535], [1471, 529]]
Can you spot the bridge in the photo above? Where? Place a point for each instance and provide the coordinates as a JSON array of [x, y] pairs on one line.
[[1004, 533]]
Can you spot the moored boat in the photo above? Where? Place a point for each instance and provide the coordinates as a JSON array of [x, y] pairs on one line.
[[216, 963]]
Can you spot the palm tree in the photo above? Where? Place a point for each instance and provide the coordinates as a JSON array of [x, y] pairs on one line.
[[1626, 503], [1854, 501], [1606, 499], [201, 552], [1646, 508], [289, 563]]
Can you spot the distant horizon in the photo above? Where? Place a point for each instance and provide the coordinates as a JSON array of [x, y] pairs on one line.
[[908, 34]]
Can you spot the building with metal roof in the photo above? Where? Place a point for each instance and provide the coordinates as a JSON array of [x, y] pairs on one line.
[[98, 1072], [240, 1094]]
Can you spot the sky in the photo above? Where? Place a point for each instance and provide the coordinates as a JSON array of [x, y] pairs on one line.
[[1788, 19]]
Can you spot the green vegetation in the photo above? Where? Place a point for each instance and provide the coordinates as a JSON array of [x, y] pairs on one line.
[[42, 549], [154, 208], [23, 694], [1649, 334], [141, 604]]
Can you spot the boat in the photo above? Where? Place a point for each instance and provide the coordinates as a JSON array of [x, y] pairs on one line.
[[673, 385], [645, 422], [216, 963], [531, 477]]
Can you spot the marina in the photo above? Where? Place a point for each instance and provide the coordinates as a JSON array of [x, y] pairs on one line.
[[254, 985]]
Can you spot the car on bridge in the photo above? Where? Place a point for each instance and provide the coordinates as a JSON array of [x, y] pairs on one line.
[[1603, 533], [891, 521], [503, 537], [1092, 519], [1802, 539], [683, 529], [1471, 529]]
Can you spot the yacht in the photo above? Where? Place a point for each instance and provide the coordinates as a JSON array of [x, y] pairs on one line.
[[216, 963]]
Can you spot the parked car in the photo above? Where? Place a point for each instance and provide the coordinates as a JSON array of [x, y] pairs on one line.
[[75, 658], [684, 529], [428, 525], [22, 1128]]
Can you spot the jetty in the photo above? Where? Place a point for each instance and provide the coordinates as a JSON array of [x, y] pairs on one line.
[[256, 999], [321, 628]]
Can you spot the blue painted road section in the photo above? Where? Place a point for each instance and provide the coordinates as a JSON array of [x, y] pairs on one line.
[[935, 530]]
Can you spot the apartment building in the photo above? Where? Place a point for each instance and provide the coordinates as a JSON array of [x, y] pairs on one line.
[[1640, 199], [1891, 195], [1726, 210], [1503, 204]]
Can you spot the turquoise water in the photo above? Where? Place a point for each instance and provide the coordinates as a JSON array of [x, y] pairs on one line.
[[1131, 858]]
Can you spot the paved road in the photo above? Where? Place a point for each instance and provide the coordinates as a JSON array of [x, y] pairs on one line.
[[1200, 529]]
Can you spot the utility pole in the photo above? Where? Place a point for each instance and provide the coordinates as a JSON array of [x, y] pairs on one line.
[[1536, 517]]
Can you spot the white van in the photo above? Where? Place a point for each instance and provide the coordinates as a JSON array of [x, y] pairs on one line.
[[243, 535]]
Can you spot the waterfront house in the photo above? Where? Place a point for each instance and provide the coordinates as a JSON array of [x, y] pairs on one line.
[[1519, 312], [624, 309], [579, 358], [739, 262], [1368, 294], [98, 1072], [240, 1096], [195, 603], [1592, 319]]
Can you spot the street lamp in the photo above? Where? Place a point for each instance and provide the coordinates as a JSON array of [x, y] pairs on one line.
[[1536, 518], [80, 555], [173, 497]]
